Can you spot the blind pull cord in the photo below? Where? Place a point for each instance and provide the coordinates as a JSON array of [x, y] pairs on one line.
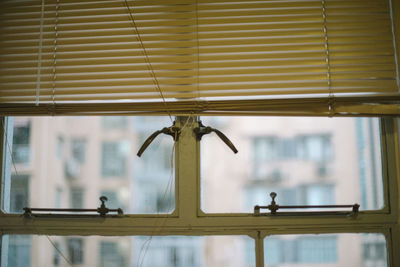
[[173, 131], [202, 130], [273, 207], [102, 210]]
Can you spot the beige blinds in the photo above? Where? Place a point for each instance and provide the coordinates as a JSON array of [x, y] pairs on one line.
[[276, 57]]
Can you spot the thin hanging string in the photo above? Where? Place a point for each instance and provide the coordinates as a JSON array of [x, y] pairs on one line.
[[168, 189], [396, 59], [198, 51], [8, 146], [53, 244], [53, 92], [39, 66], [148, 63], [145, 246], [59, 251], [327, 60]]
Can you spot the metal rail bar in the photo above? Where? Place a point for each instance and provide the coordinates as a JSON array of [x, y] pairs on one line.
[[273, 207], [102, 210]]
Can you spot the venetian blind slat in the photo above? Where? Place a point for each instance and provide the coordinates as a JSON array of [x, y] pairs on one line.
[[227, 50]]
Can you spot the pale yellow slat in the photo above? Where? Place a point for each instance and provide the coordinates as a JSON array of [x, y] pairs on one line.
[[111, 53], [68, 68], [364, 84], [356, 53], [12, 77], [378, 48], [162, 29], [129, 42], [261, 87], [362, 67], [93, 83], [122, 60], [100, 26], [120, 34], [167, 19], [260, 37], [284, 33], [82, 45], [244, 20], [344, 60], [274, 50], [367, 40], [224, 76], [124, 49], [267, 70], [250, 11], [204, 6], [286, 41], [376, 75]]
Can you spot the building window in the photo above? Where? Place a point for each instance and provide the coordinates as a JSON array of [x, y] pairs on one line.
[[111, 255], [316, 194], [19, 250], [77, 198], [58, 197], [160, 153], [114, 123], [303, 160], [75, 250], [297, 250], [78, 149], [19, 193], [56, 255], [113, 158], [21, 141], [320, 249], [60, 147]]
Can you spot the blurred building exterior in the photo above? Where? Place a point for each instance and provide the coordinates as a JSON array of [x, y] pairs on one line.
[[69, 162]]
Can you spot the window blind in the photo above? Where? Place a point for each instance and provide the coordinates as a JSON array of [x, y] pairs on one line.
[[276, 57]]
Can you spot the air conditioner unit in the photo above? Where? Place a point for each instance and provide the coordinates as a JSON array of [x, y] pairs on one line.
[[275, 176], [267, 174], [72, 169], [322, 170]]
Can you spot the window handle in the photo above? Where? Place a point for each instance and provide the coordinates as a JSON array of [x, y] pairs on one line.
[[172, 131], [202, 130]]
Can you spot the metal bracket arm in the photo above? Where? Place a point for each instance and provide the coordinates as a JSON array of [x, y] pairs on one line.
[[202, 130]]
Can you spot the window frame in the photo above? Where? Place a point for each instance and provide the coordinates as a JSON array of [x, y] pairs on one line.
[[189, 220]]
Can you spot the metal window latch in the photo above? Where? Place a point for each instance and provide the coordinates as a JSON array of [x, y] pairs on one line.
[[273, 207], [173, 131], [102, 210], [202, 130]]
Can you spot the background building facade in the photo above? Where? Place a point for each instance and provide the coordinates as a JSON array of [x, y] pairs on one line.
[[69, 162]]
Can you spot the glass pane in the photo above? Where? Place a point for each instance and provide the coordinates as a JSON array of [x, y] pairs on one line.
[[75, 160], [145, 251], [306, 161], [356, 250]]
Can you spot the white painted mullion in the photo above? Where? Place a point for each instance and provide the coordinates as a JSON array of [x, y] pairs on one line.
[[259, 245]]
